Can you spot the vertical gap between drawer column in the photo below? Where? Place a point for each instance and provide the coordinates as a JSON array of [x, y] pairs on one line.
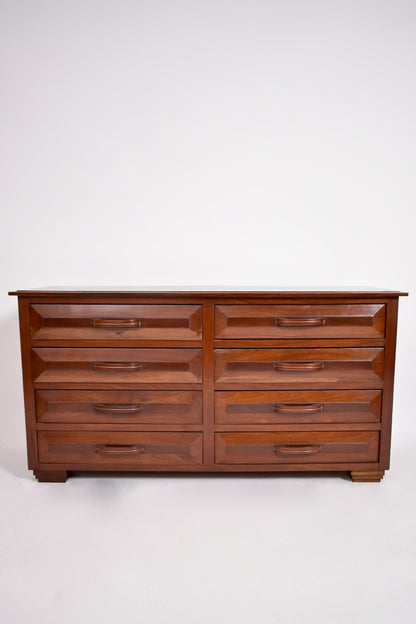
[[208, 382]]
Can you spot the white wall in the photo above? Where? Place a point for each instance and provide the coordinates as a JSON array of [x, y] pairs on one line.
[[223, 142]]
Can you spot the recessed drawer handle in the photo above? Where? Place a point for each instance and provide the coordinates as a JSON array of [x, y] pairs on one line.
[[119, 366], [300, 321], [299, 366], [298, 408], [119, 449], [116, 323], [118, 408], [297, 449]]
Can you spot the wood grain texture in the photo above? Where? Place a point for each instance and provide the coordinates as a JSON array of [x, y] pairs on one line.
[[208, 381], [71, 447], [298, 406], [323, 368], [73, 366], [300, 321], [296, 447], [115, 322], [367, 476], [119, 406], [390, 350]]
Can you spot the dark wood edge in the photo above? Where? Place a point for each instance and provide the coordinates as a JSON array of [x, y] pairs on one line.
[[85, 467], [28, 390], [119, 344], [163, 427], [389, 366], [210, 294]]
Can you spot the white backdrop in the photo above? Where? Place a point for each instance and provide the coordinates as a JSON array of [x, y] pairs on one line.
[[227, 142]]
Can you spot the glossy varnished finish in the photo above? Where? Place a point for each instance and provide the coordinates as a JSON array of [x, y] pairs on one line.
[[113, 322], [103, 448], [201, 380], [119, 406], [300, 368], [300, 321], [299, 407], [296, 447]]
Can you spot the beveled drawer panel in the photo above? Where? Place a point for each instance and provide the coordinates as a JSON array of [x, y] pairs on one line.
[[301, 368], [297, 407], [119, 406], [296, 447], [52, 365], [115, 322], [107, 448], [300, 321]]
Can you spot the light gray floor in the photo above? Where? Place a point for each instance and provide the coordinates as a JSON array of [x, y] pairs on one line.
[[202, 549]]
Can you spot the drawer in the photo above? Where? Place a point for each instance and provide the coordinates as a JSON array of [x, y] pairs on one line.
[[300, 321], [119, 406], [296, 447], [109, 448], [115, 322], [300, 407], [301, 368], [103, 366]]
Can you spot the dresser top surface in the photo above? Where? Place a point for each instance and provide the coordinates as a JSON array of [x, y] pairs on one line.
[[220, 291]]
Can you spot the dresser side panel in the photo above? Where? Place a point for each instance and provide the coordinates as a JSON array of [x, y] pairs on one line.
[[389, 365], [28, 391]]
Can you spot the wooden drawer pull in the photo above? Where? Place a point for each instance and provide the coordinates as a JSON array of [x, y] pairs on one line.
[[116, 323], [298, 408], [119, 449], [297, 449], [118, 408], [300, 321], [299, 366], [119, 366]]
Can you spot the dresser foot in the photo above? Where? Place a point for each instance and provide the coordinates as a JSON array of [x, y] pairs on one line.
[[361, 476], [51, 476]]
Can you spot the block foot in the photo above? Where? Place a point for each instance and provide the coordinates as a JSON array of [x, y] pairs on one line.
[[370, 476], [51, 476]]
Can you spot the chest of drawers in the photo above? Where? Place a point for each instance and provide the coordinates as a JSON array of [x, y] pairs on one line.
[[208, 381]]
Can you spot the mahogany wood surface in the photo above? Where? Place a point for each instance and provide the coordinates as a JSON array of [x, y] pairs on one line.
[[101, 366], [201, 380], [102, 447], [367, 475], [119, 406], [296, 447], [300, 406], [300, 368], [299, 321], [112, 322]]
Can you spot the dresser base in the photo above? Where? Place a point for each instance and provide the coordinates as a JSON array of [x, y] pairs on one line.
[[60, 476], [368, 476], [51, 476]]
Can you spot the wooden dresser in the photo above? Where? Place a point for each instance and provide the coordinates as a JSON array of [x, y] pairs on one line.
[[208, 381]]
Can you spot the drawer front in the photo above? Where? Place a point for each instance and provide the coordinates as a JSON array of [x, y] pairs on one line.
[[296, 447], [103, 366], [115, 322], [301, 368], [300, 321], [119, 406], [300, 407], [109, 448]]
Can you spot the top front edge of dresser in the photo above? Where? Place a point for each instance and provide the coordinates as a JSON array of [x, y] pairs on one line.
[[209, 292]]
